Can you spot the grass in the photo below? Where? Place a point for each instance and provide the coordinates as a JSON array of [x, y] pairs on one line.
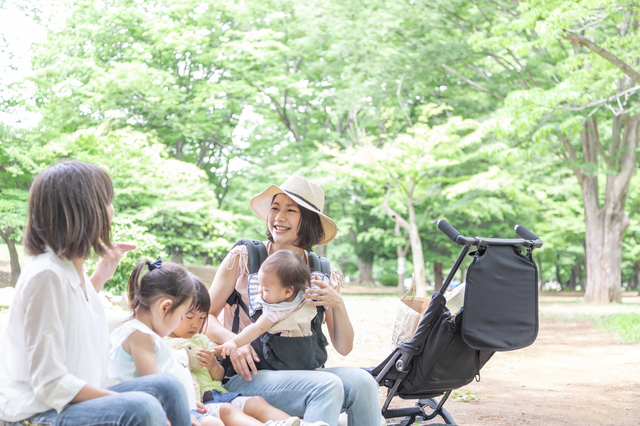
[[463, 396], [626, 326]]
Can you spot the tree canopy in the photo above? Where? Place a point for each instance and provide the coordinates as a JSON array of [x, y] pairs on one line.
[[486, 113]]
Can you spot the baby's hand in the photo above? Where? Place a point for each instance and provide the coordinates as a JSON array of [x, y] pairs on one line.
[[227, 349]]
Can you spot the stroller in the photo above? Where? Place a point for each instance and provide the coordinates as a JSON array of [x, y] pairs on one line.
[[500, 313]]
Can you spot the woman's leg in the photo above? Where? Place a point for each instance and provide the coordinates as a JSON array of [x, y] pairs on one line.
[[312, 395], [361, 397], [168, 390], [130, 409]]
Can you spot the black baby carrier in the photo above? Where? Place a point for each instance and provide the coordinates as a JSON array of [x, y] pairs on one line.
[[277, 352], [500, 313]]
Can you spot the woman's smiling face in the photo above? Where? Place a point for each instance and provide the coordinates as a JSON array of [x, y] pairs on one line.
[[284, 221]]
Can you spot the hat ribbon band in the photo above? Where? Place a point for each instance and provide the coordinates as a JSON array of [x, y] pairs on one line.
[[302, 198]]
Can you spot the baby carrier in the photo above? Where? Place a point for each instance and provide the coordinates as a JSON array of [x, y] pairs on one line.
[[277, 352], [500, 313]]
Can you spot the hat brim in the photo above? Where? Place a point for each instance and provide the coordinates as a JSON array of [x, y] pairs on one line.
[[261, 204]]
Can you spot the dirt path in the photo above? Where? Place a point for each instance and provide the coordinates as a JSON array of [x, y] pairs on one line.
[[573, 374]]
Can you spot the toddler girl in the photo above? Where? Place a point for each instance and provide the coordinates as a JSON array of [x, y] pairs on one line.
[[282, 278], [232, 408], [160, 295], [55, 348]]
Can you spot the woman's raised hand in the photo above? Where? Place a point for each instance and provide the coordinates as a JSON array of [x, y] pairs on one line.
[[108, 263], [325, 295]]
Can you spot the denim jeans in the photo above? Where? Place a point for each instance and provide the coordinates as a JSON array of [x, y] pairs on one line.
[[145, 401], [317, 395]]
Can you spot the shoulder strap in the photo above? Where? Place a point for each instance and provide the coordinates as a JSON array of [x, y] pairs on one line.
[[318, 264], [257, 252]]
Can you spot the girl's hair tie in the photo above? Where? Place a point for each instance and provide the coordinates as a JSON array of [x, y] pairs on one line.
[[155, 265]]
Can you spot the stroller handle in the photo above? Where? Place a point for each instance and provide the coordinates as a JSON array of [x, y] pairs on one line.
[[525, 233], [454, 234], [529, 239]]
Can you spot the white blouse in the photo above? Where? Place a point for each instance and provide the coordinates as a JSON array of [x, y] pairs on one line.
[[56, 340]]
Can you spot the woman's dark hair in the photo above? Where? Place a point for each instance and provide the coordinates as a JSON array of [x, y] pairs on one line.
[[69, 210], [169, 280], [310, 230], [203, 301], [290, 269]]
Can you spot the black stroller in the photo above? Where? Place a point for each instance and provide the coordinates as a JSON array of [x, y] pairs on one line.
[[500, 313]]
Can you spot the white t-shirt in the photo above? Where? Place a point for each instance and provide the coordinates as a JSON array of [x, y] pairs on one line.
[[122, 368], [56, 340]]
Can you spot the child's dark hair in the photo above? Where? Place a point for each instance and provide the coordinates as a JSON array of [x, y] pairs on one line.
[[290, 269], [203, 301], [150, 281], [69, 210]]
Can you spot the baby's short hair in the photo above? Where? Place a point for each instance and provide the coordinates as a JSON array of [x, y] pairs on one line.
[[290, 269]]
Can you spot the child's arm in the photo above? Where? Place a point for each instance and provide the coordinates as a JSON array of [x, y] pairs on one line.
[[246, 336], [140, 346]]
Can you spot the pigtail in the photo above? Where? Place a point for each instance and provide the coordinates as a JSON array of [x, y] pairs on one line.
[[134, 285]]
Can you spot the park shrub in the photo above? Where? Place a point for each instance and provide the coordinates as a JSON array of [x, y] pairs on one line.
[[389, 281]]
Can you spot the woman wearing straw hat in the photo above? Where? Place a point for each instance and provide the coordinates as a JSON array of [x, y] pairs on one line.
[[295, 221]]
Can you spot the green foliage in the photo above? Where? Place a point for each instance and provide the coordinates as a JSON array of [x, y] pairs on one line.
[[147, 248], [168, 197], [389, 281], [247, 93], [625, 325]]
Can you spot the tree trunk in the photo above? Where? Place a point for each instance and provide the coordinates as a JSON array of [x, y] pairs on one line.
[[540, 279], [605, 225], [365, 272], [402, 260], [637, 276], [438, 278], [177, 256], [417, 256], [14, 260], [321, 251]]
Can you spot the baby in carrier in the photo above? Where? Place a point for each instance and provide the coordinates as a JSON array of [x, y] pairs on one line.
[[277, 290]]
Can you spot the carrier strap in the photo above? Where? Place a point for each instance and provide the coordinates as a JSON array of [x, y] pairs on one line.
[[257, 253]]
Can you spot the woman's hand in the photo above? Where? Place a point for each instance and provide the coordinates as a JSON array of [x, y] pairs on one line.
[[108, 263], [243, 361], [323, 296]]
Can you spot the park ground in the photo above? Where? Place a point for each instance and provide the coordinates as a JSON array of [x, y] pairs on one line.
[[574, 374]]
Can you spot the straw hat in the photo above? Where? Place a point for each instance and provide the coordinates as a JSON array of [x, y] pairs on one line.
[[306, 193]]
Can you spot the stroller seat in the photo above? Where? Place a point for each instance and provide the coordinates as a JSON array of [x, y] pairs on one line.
[[448, 350]]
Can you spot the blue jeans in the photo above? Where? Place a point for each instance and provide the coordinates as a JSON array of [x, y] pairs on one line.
[[317, 395], [145, 401]]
